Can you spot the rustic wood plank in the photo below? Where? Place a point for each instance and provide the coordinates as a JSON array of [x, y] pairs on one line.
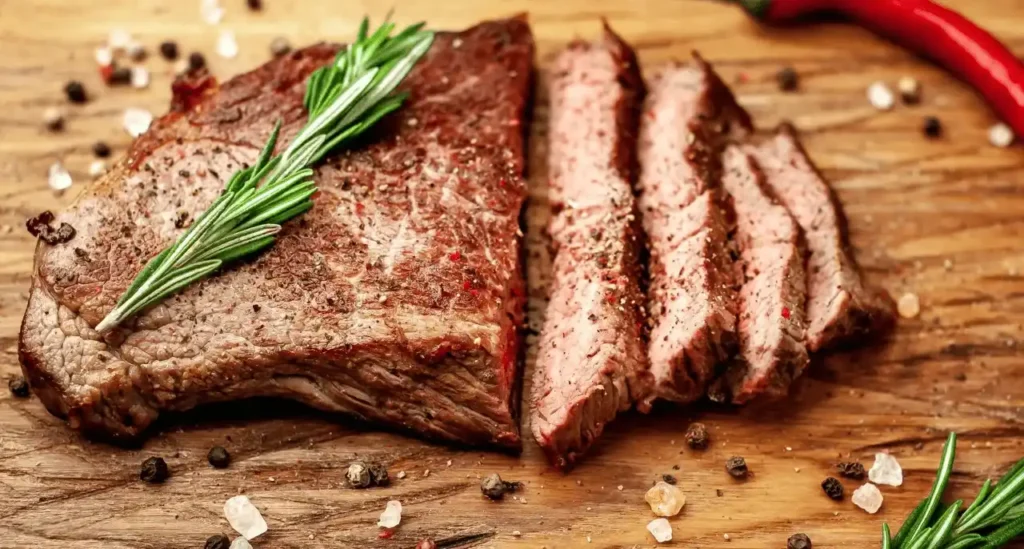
[[938, 218]]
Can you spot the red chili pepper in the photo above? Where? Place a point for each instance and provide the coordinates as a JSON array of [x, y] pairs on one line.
[[785, 312], [931, 30]]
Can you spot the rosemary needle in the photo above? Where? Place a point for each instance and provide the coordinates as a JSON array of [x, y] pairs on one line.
[[343, 99]]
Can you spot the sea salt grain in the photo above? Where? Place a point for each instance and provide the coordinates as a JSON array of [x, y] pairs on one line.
[[665, 499], [137, 121], [880, 96], [227, 46], [140, 77], [211, 11], [240, 543], [660, 529], [908, 305], [392, 515], [886, 470], [97, 168], [868, 498], [58, 177], [244, 517], [119, 40], [104, 56], [1000, 135]]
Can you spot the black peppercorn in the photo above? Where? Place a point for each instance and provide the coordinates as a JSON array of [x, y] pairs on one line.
[[798, 541], [169, 50], [833, 488], [196, 61], [75, 92], [18, 387], [120, 76], [851, 469], [220, 541], [101, 149], [737, 467], [254, 5], [494, 488], [788, 79], [218, 457], [154, 470], [669, 479], [697, 436], [932, 127], [379, 474]]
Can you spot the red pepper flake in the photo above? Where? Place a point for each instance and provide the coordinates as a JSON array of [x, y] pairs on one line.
[[386, 533], [501, 182], [742, 78], [467, 285], [106, 72], [360, 208], [455, 256], [651, 115], [785, 312], [474, 293], [513, 122]]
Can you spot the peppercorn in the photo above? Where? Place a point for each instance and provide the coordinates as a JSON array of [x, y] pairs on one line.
[[101, 149], [697, 436], [18, 387], [358, 475], [788, 79], [494, 488], [280, 46], [379, 474], [196, 61], [254, 5], [851, 469], [219, 457], [220, 541], [120, 76], [426, 544], [169, 50], [154, 470], [798, 541], [737, 467], [75, 92], [669, 479], [833, 488], [53, 119], [932, 127]]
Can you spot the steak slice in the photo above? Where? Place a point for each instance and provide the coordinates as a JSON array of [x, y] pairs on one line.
[[591, 361], [692, 297], [396, 299], [839, 305], [771, 301]]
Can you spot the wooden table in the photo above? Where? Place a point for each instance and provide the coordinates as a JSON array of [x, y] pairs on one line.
[[940, 218]]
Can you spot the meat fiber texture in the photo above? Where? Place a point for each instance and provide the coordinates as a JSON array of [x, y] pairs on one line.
[[688, 115], [591, 361], [840, 307], [396, 299], [771, 256]]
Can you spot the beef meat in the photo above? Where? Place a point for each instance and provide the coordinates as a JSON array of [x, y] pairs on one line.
[[839, 305], [591, 361], [396, 299], [771, 300], [692, 297]]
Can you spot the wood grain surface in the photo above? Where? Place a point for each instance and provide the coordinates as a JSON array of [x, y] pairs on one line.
[[942, 218]]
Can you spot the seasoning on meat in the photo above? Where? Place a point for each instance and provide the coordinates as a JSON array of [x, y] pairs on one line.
[[591, 362]]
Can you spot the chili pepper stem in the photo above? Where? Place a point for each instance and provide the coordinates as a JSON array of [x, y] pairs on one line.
[[756, 8]]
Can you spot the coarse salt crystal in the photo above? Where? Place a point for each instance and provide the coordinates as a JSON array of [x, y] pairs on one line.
[[910, 89], [881, 96], [240, 543], [401, 474], [868, 498], [392, 515], [211, 11], [660, 529], [119, 40], [1000, 135], [227, 46], [665, 499], [886, 470], [104, 56], [58, 177], [140, 77], [137, 121], [97, 168], [136, 51], [244, 517], [908, 305]]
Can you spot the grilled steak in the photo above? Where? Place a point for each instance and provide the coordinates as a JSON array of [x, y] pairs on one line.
[[839, 305], [395, 299], [591, 361], [771, 300], [692, 295]]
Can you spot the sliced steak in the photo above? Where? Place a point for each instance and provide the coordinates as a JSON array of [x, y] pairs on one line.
[[692, 296], [771, 300], [395, 299], [591, 361], [839, 305]]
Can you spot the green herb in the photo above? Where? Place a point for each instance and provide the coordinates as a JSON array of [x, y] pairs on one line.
[[343, 99], [994, 518]]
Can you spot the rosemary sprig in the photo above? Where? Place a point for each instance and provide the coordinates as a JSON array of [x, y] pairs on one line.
[[343, 100], [994, 518]]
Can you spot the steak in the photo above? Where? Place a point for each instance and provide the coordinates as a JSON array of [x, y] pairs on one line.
[[688, 115], [771, 300], [396, 299], [839, 305], [591, 361]]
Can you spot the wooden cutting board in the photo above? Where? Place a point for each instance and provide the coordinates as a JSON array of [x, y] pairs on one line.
[[942, 219]]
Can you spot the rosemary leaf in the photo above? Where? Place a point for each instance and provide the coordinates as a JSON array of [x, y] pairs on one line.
[[945, 468], [1005, 533], [886, 541]]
